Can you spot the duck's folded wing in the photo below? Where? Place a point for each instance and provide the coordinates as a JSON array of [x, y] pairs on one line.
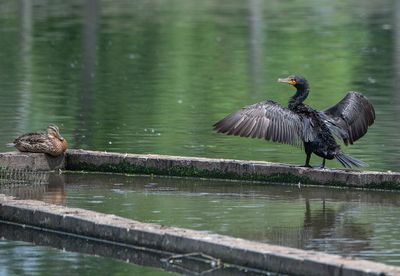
[[267, 120], [351, 117], [32, 138]]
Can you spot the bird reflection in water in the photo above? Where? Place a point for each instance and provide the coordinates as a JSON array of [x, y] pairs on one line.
[[56, 193], [49, 189]]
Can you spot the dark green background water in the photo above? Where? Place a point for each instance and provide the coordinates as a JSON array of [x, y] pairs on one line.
[[153, 76]]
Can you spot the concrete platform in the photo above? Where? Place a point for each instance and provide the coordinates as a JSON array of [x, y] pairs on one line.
[[182, 241], [31, 161], [226, 169], [187, 265], [83, 160]]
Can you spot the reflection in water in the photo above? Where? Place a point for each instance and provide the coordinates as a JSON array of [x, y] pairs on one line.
[[55, 190], [341, 221], [256, 26], [20, 257], [25, 45], [47, 187], [89, 61], [190, 264], [326, 223], [331, 220], [346, 222], [396, 67]]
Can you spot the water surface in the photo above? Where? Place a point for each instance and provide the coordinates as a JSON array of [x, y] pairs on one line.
[[153, 76], [339, 221], [23, 258]]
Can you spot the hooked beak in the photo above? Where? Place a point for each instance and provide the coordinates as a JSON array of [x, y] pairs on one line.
[[287, 80]]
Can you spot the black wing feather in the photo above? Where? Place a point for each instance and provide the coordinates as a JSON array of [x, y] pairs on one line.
[[265, 120], [351, 117]]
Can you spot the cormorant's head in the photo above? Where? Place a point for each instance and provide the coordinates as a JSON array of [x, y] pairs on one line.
[[297, 81]]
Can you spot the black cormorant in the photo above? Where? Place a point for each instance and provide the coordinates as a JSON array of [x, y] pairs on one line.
[[300, 124]]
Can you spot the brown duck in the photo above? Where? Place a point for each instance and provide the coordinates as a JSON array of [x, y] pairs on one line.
[[50, 142]]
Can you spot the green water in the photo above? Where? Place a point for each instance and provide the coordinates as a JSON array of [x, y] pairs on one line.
[[21, 258], [340, 221], [152, 76]]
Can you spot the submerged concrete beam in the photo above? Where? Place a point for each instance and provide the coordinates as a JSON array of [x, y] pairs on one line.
[[227, 169], [181, 241]]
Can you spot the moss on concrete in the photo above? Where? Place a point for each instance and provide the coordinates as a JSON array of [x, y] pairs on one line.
[[225, 169], [190, 171]]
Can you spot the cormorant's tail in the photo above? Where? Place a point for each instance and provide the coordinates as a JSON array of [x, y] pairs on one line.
[[347, 161]]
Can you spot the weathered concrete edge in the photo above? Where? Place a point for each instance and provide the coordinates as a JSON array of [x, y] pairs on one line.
[[226, 169], [171, 239], [31, 161], [82, 160]]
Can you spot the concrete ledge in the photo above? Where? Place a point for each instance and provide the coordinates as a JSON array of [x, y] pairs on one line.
[[177, 240], [126, 253], [135, 255], [31, 161], [227, 169], [82, 160]]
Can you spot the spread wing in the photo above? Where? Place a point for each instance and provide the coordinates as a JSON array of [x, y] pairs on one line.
[[350, 118], [267, 120]]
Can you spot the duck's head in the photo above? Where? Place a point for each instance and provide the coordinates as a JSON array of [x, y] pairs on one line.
[[297, 81], [54, 132]]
